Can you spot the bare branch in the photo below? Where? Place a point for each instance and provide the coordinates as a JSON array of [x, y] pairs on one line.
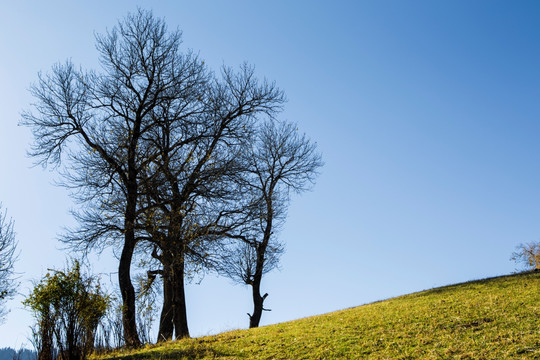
[[8, 256]]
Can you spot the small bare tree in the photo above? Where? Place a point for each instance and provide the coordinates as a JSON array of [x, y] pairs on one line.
[[528, 254], [7, 258], [109, 333], [279, 162]]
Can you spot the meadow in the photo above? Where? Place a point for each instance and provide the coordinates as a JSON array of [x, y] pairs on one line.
[[495, 318]]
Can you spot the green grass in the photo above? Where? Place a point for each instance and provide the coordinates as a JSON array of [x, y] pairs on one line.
[[497, 318]]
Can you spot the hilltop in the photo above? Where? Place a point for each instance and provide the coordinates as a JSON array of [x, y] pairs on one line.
[[493, 318]]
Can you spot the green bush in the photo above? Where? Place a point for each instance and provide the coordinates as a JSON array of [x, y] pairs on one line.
[[68, 307]]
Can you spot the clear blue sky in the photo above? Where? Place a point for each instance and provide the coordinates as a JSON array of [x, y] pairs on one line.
[[427, 114]]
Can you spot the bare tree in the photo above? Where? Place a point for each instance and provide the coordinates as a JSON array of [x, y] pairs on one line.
[[109, 333], [99, 122], [279, 162], [189, 200], [528, 254], [8, 256]]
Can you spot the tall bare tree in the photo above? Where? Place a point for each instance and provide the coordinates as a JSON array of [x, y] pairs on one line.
[[99, 123], [189, 200], [8, 256], [280, 161]]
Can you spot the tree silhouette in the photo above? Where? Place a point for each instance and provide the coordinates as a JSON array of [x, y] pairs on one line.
[[8, 256], [280, 161]]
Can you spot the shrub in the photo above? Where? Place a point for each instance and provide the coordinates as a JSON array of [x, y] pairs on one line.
[[528, 254], [68, 307]]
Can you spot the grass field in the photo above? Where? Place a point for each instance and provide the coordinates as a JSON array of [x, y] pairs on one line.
[[497, 318]]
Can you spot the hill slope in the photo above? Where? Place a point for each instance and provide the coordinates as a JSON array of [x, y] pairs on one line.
[[497, 318]]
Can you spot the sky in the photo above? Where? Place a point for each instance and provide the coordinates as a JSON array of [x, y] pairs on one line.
[[427, 115]]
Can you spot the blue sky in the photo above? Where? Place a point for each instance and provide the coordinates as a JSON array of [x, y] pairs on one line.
[[427, 115]]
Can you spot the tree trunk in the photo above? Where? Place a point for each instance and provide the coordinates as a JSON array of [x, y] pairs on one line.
[[129, 321], [131, 336], [44, 339], [179, 300], [258, 302], [165, 332]]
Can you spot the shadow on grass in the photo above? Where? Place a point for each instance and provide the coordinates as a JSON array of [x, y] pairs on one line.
[[197, 351]]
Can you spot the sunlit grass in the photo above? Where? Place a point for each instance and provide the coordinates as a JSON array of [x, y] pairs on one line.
[[496, 318]]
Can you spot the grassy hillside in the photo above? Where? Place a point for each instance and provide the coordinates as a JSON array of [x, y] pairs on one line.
[[496, 318]]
